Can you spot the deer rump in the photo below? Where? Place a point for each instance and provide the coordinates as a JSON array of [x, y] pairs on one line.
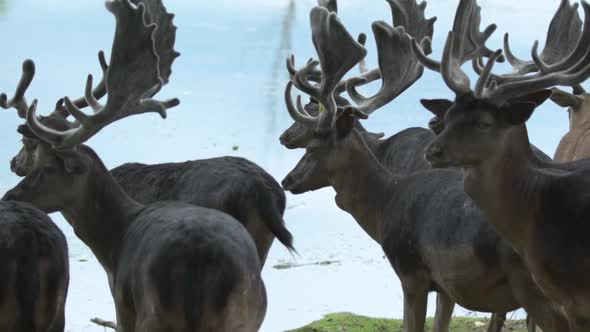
[[233, 185], [183, 259], [34, 270]]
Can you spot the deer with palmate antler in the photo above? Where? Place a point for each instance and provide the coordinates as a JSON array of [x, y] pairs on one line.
[[230, 184], [171, 266], [431, 232], [540, 207]]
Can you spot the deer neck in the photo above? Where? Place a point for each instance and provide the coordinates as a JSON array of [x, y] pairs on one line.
[[506, 188], [102, 215], [361, 186]]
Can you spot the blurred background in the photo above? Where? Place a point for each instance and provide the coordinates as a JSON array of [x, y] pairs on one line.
[[230, 79]]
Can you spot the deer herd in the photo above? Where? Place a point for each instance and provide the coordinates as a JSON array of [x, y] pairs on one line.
[[468, 208]]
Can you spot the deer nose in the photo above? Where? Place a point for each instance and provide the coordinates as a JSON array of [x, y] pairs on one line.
[[283, 138], [287, 182], [13, 164]]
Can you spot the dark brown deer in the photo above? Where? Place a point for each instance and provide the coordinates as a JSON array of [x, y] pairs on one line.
[[34, 270], [540, 207], [171, 266], [432, 233], [229, 184]]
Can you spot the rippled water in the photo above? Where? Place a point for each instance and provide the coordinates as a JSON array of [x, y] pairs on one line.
[[230, 80]]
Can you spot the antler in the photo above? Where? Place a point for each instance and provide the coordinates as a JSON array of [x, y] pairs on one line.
[[563, 34], [338, 52], [399, 69], [464, 43], [164, 37], [18, 101], [133, 77], [569, 71]]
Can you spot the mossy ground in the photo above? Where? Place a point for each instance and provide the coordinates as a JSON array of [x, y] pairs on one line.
[[345, 322]]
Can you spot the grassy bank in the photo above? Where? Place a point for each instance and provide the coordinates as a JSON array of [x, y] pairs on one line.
[[345, 322]]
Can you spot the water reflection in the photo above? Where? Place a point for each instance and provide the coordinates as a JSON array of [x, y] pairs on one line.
[[278, 74], [3, 7]]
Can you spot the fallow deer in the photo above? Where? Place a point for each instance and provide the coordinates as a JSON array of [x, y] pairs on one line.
[[171, 266], [230, 184], [432, 233], [34, 270], [539, 207]]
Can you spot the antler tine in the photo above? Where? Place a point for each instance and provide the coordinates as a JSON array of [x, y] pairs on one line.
[[484, 78], [330, 5], [18, 101], [133, 77], [299, 114], [338, 52], [100, 90], [362, 39]]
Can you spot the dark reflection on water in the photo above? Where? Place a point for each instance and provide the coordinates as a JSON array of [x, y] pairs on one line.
[[278, 74], [3, 7]]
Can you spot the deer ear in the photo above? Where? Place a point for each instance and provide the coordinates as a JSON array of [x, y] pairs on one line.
[[438, 107], [565, 99], [520, 110], [345, 120], [73, 162]]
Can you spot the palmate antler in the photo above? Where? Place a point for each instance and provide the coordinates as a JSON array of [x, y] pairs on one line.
[[133, 76], [338, 52], [570, 70], [563, 35], [398, 68]]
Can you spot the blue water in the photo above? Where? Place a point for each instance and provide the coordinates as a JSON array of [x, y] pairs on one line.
[[230, 79]]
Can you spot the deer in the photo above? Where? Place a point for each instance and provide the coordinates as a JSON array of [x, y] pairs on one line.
[[539, 207], [34, 270], [433, 243], [233, 185], [171, 266]]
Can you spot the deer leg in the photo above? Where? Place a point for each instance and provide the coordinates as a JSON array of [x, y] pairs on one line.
[[444, 311], [415, 301], [530, 324], [497, 322]]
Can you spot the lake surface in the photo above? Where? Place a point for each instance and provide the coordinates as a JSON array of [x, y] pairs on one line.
[[230, 79]]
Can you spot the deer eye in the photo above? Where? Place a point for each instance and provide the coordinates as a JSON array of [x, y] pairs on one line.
[[483, 125]]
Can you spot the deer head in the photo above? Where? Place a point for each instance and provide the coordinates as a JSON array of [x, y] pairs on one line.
[[477, 126], [577, 105], [141, 54], [406, 13], [334, 140]]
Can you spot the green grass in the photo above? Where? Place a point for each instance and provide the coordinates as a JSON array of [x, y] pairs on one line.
[[346, 322]]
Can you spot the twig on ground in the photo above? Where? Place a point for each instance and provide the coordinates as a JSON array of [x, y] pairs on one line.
[[104, 323]]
